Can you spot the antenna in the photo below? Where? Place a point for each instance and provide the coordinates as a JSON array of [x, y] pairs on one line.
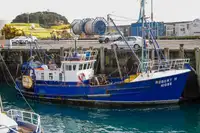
[[151, 10]]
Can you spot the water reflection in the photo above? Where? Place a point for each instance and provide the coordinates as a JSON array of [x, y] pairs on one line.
[[65, 119]]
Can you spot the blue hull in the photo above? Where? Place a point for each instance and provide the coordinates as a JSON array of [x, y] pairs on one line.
[[162, 90]]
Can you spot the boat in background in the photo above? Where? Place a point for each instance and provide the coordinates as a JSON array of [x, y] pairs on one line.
[[17, 121]]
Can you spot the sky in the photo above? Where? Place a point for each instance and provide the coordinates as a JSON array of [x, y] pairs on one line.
[[164, 10]]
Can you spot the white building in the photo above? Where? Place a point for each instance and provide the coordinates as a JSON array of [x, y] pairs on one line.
[[178, 28], [195, 27], [185, 28]]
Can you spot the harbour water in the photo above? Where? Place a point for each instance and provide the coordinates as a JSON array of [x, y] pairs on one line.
[[69, 119]]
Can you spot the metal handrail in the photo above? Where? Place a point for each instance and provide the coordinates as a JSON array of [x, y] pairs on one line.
[[10, 128], [82, 55], [18, 113], [165, 64]]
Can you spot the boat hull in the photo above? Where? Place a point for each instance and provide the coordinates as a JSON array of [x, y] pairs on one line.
[[165, 90]]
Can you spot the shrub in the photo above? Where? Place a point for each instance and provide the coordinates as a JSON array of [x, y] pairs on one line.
[[11, 32]]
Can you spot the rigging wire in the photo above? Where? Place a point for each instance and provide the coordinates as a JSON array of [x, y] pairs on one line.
[[16, 86], [123, 17], [122, 20], [125, 41]]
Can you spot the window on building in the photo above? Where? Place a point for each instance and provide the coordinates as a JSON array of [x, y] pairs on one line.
[[188, 26], [74, 67], [182, 29], [80, 66], [50, 76], [85, 66], [42, 76], [60, 76]]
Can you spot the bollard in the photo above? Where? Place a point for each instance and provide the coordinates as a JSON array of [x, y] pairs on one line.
[[61, 53], [182, 52], [152, 54], [166, 53], [10, 44], [21, 58]]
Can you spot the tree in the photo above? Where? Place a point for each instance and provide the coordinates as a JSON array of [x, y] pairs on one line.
[[10, 31], [45, 19]]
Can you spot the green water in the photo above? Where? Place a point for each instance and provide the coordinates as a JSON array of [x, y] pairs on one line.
[[65, 119]]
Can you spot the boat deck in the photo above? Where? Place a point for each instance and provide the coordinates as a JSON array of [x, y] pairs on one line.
[[23, 129]]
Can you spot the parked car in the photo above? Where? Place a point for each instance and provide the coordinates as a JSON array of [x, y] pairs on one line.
[[34, 39], [135, 42], [15, 40], [109, 37], [24, 39]]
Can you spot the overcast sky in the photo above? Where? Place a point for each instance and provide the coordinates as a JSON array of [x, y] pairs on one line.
[[164, 10]]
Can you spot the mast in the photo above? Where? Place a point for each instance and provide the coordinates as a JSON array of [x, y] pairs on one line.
[[152, 10], [143, 35]]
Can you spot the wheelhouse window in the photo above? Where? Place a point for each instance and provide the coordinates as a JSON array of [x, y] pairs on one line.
[[88, 67], [50, 76], [85, 66], [92, 64], [74, 67], [70, 67], [80, 66], [66, 67], [42, 76], [60, 76]]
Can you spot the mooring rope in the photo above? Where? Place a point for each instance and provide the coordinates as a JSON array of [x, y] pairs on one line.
[[16, 86], [5, 77]]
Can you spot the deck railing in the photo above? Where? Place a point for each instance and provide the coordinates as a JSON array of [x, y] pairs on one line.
[[162, 65], [81, 55], [25, 116]]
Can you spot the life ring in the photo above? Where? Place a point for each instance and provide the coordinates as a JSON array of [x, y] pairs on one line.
[[27, 82], [40, 68], [81, 77]]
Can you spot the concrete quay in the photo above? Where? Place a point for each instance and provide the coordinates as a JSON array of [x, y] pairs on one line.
[[51, 44]]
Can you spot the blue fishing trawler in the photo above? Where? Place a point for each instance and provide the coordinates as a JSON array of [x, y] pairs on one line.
[[156, 81]]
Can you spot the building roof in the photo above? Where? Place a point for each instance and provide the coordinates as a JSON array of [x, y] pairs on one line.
[[177, 22]]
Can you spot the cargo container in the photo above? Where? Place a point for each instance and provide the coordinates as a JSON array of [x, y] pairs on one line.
[[158, 29]]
